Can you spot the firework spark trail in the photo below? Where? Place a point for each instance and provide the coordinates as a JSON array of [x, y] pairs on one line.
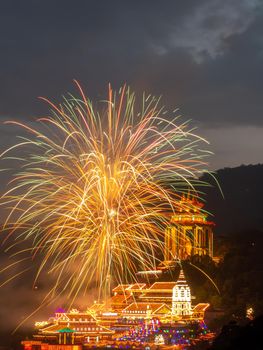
[[96, 185]]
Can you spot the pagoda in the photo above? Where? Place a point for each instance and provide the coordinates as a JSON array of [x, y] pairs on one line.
[[189, 232], [181, 299]]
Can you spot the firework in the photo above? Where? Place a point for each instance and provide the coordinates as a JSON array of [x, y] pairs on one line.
[[96, 184]]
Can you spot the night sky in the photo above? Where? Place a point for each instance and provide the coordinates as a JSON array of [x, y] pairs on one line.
[[204, 57]]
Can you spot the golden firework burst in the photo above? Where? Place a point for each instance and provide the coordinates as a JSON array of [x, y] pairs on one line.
[[96, 184]]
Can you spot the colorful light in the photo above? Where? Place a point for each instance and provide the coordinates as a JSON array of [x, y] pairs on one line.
[[95, 187]]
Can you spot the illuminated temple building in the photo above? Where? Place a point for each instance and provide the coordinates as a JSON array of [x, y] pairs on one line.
[[189, 232], [136, 306], [137, 311]]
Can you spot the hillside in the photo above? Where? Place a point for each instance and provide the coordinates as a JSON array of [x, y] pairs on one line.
[[242, 205]]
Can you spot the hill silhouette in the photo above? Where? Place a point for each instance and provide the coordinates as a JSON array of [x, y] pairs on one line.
[[242, 205]]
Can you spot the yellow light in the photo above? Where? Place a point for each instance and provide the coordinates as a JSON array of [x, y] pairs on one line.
[[112, 213], [41, 324]]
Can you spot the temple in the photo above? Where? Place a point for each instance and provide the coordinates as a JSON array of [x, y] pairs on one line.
[[189, 232], [136, 312], [158, 313]]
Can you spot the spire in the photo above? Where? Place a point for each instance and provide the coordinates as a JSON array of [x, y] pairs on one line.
[[181, 279]]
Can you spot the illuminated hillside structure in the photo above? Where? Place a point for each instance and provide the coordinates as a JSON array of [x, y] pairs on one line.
[[189, 232], [132, 307]]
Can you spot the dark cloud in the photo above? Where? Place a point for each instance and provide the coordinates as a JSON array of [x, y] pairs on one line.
[[204, 56]]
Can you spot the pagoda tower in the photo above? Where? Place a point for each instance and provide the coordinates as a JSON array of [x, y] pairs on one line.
[[189, 232], [181, 300]]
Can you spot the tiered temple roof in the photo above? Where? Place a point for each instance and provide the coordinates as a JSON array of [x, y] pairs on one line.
[[141, 309], [165, 287]]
